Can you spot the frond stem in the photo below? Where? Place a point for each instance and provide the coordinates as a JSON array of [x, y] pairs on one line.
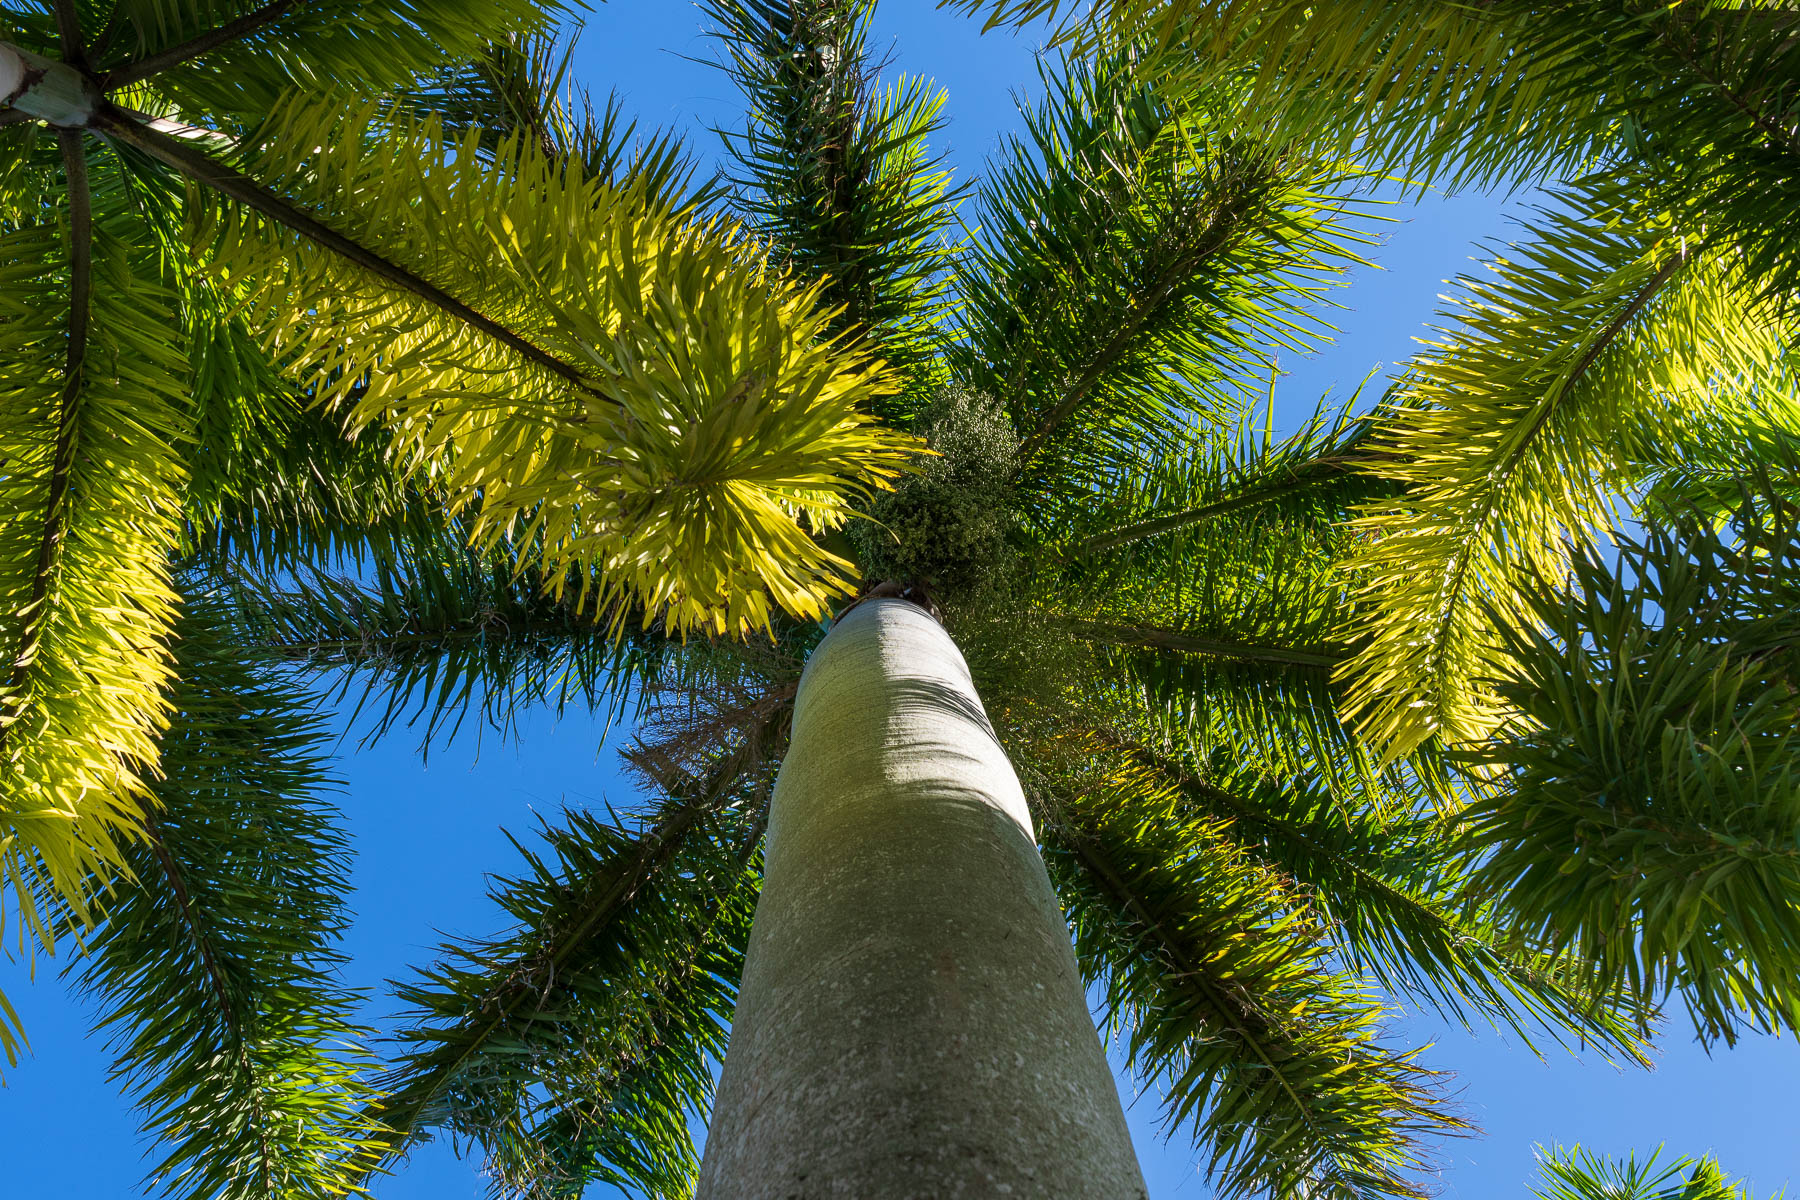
[[1308, 475], [212, 39], [1155, 637], [68, 32], [207, 171]]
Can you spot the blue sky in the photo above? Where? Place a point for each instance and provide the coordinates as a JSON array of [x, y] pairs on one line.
[[426, 832]]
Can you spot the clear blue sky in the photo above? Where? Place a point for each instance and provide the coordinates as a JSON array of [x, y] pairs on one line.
[[426, 833]]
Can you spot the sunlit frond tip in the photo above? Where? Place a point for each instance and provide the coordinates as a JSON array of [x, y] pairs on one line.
[[645, 407]]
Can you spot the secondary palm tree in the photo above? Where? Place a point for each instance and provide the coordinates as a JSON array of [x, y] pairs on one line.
[[210, 254]]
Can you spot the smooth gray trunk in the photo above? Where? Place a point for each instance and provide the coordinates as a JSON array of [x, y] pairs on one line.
[[911, 1022]]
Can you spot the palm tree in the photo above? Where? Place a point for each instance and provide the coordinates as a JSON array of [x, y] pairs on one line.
[[1148, 605], [1147, 595], [211, 254]]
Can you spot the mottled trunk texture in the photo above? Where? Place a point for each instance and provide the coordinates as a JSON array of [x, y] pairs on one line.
[[911, 1022]]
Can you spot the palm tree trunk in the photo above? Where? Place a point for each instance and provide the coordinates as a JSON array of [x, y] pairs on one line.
[[911, 1022]]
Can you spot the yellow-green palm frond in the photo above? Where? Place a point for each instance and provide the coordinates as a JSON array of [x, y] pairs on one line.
[[1512, 435], [91, 421], [1577, 1174], [640, 396]]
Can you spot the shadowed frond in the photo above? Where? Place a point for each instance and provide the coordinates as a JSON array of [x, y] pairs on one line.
[[1573, 361], [240, 56], [436, 631], [1138, 257], [1644, 813], [835, 171], [644, 398], [1385, 879], [1314, 477], [574, 1049], [92, 422], [1220, 980], [214, 970]]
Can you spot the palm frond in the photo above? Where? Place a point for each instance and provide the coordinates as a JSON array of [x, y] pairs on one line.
[[686, 431], [836, 172], [523, 90], [574, 1049], [1385, 879], [1138, 259], [1577, 1174], [1644, 809], [1316, 477], [92, 419], [240, 56], [1222, 985], [436, 631], [213, 972], [1509, 435]]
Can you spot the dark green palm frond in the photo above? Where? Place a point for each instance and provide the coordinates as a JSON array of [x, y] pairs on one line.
[[240, 56], [214, 972], [1215, 969], [835, 171], [92, 424], [1577, 1174], [1513, 433], [574, 1049], [1644, 811], [1315, 477], [617, 386], [1139, 261], [1226, 629], [1385, 879], [436, 630]]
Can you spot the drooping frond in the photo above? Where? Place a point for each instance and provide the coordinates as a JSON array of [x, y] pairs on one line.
[[835, 170], [641, 396], [92, 418], [1385, 879], [214, 970], [574, 1049], [436, 631], [1644, 809], [1137, 258], [1577, 1174], [1230, 1006], [1510, 433]]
